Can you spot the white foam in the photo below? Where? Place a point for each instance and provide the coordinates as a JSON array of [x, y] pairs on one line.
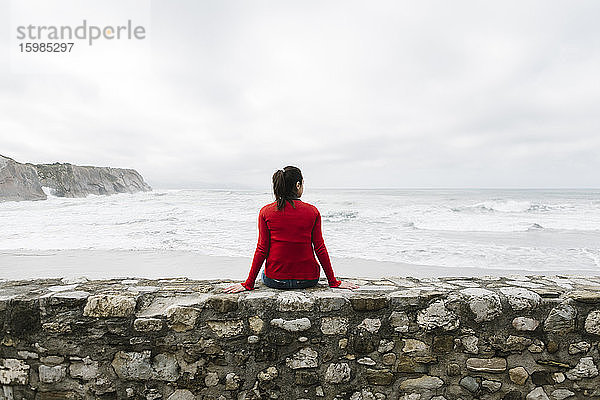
[[505, 205], [431, 228], [49, 191]]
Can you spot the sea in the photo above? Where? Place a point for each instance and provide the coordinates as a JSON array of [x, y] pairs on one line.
[[515, 230]]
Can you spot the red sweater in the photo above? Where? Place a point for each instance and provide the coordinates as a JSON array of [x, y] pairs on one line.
[[286, 239]]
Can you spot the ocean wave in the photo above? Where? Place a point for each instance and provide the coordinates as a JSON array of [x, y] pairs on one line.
[[509, 206], [486, 229], [535, 227], [340, 216], [131, 222]]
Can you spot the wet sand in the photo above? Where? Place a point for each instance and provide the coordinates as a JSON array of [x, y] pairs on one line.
[[100, 264]]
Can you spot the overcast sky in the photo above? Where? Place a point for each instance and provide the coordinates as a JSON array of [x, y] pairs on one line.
[[356, 93]]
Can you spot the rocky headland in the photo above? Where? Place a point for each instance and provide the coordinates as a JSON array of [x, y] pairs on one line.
[[20, 181]]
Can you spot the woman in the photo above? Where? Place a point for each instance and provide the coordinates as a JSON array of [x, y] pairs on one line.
[[287, 231]]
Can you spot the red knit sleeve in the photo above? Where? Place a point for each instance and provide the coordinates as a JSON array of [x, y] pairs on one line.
[[261, 253], [321, 252]]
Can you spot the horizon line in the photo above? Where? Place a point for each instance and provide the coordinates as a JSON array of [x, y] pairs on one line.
[[387, 188]]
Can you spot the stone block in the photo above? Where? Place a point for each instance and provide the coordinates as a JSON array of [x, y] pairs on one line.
[[13, 372], [226, 329], [148, 324], [294, 325], [294, 301], [521, 299], [182, 318], [380, 377], [436, 315], [85, 369], [364, 303], [334, 325], [561, 319], [493, 365], [485, 304], [52, 374], [421, 384], [304, 358], [109, 305]]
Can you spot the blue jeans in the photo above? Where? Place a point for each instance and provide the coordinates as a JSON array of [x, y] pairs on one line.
[[288, 283]]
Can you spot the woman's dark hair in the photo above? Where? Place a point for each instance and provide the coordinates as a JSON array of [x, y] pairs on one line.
[[284, 185]]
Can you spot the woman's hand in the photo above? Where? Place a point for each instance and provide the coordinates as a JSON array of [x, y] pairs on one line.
[[347, 285], [234, 288]]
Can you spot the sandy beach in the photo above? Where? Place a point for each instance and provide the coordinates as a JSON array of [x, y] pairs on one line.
[[100, 264]]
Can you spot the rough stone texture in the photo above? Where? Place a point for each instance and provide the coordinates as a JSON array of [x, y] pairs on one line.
[[525, 324], [255, 324], [337, 373], [579, 347], [414, 347], [422, 383], [469, 383], [521, 299], [305, 358], [268, 375], [232, 381], [399, 321], [493, 365], [294, 325], [370, 324], [109, 305], [592, 323], [561, 394], [585, 368], [211, 379], [518, 375], [438, 316], [379, 377], [53, 374], [181, 318], [182, 394], [85, 369], [148, 324], [294, 301], [491, 386], [225, 329], [366, 361], [561, 319], [14, 372], [470, 344], [397, 338], [331, 301], [485, 304], [537, 394], [368, 303], [19, 181]]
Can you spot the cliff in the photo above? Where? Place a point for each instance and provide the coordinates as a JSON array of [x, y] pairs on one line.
[[393, 339], [19, 181], [24, 181], [67, 180]]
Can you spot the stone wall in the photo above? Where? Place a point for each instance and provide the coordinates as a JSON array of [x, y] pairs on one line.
[[395, 338]]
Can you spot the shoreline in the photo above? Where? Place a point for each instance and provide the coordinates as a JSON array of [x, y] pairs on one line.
[[151, 264]]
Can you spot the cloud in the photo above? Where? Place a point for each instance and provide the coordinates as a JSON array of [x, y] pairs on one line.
[[385, 93]]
